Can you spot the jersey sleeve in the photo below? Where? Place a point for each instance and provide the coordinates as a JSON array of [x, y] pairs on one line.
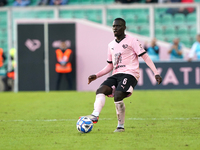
[[109, 57], [138, 48]]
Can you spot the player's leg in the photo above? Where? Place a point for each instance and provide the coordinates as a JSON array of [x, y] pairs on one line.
[[120, 109], [102, 91], [100, 99], [124, 89]]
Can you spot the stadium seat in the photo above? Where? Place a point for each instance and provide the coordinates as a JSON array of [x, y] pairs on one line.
[[133, 29], [130, 22], [141, 20], [191, 19], [79, 14], [114, 13], [158, 31], [66, 13], [166, 20], [129, 17], [34, 2], [126, 12], [193, 31], [99, 1], [170, 30], [186, 41], [160, 37], [160, 11], [109, 1], [74, 2], [94, 15], [182, 31], [86, 2], [10, 2], [170, 38], [157, 19], [179, 19], [144, 31]]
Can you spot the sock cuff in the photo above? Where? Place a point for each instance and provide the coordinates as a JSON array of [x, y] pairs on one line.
[[100, 95], [119, 102]]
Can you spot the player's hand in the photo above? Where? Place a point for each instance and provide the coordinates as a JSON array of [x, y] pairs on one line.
[[158, 78], [91, 78]]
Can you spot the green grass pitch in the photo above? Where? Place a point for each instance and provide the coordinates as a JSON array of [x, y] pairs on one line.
[[155, 120]]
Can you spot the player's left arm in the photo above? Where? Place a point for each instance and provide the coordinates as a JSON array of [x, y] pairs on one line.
[[151, 65], [139, 50]]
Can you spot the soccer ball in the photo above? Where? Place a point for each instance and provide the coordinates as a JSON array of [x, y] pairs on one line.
[[84, 125]]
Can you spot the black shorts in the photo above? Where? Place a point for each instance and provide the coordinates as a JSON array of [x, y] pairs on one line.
[[122, 82]]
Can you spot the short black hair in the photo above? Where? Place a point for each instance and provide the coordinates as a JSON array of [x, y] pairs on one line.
[[121, 19]]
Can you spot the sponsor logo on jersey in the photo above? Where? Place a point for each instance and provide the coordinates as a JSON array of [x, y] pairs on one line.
[[120, 66], [118, 58]]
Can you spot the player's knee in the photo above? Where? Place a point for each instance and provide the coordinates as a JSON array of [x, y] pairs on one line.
[[119, 96], [104, 90]]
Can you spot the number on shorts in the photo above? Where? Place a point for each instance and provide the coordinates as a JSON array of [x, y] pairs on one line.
[[124, 81]]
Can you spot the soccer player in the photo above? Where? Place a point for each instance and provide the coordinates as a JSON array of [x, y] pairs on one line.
[[123, 53]]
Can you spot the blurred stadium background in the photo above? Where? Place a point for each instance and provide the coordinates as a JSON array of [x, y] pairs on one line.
[[148, 20]]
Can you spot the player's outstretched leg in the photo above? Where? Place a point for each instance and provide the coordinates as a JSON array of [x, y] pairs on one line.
[[120, 110], [99, 102]]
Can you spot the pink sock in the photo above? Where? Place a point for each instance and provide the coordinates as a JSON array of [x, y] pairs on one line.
[[120, 110], [98, 104]]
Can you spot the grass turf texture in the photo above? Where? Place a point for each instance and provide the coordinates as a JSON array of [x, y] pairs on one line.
[[38, 131]]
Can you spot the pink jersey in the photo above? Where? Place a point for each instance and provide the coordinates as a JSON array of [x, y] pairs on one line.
[[124, 56]]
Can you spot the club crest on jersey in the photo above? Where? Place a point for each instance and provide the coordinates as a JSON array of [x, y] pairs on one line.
[[125, 46]]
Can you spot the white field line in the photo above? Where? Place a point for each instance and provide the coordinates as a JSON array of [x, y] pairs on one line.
[[135, 119]]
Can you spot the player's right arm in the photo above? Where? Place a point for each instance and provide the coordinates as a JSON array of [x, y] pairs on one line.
[[105, 70]]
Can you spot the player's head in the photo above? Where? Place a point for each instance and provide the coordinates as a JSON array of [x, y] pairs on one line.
[[198, 37], [119, 26]]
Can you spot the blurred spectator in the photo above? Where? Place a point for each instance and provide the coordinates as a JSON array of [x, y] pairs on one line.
[[2, 57], [189, 9], [3, 2], [58, 2], [163, 1], [181, 10], [127, 1], [152, 50], [195, 50], [43, 2], [21, 2], [151, 1], [175, 51], [63, 65], [10, 74]]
